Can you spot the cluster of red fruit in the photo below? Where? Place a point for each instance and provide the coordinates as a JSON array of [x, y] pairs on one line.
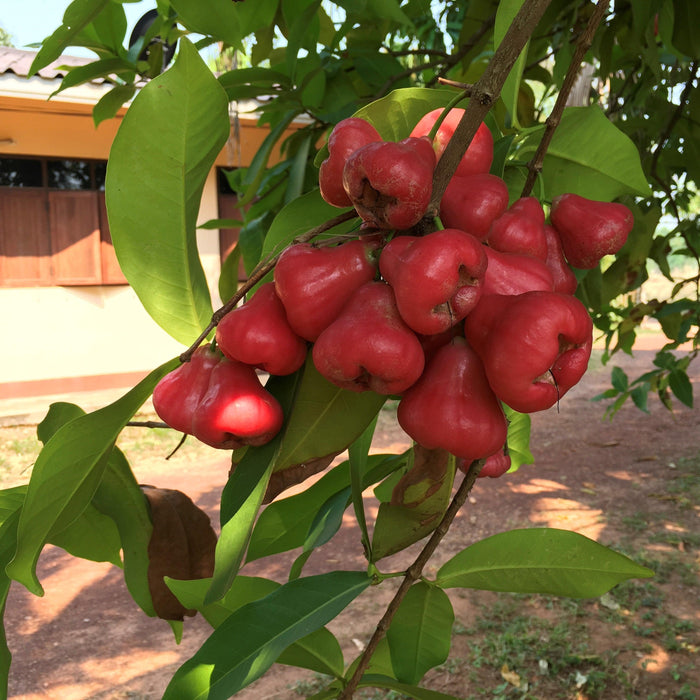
[[454, 322]]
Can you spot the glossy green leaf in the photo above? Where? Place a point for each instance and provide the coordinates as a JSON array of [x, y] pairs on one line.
[[215, 18], [248, 484], [67, 473], [681, 386], [319, 651], [76, 17], [170, 136], [418, 502], [590, 156], [11, 501], [420, 634], [395, 115], [121, 500], [285, 524], [228, 277], [299, 216], [358, 454], [618, 379], [539, 560], [507, 10], [109, 104], [249, 641], [370, 680], [95, 69], [518, 438]]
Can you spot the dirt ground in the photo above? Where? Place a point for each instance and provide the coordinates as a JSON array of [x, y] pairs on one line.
[[632, 483]]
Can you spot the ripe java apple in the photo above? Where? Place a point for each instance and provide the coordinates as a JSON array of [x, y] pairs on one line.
[[535, 346], [589, 229], [219, 401], [258, 333], [562, 275], [347, 136], [390, 184], [478, 156], [520, 230], [437, 278], [453, 407], [315, 283], [472, 203], [511, 274], [368, 346]]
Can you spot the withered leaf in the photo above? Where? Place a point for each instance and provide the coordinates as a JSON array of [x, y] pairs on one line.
[[182, 546]]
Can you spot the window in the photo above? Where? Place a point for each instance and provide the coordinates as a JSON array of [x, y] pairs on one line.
[[53, 224]]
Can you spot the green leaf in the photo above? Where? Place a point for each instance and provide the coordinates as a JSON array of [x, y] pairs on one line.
[[96, 69], [67, 473], [618, 379], [518, 438], [228, 277], [11, 501], [325, 419], [418, 502], [421, 632], [681, 387], [170, 136], [285, 524], [395, 115], [248, 484], [119, 497], [506, 12], [358, 453], [109, 104], [376, 681], [76, 17], [539, 560], [299, 216], [590, 156], [249, 641], [319, 651], [256, 171], [215, 18]]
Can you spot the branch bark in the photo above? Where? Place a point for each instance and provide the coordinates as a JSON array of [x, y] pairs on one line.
[[485, 93], [413, 573], [534, 167]]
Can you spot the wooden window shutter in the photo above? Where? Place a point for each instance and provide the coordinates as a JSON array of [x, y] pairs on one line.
[[111, 272], [75, 237], [25, 251]]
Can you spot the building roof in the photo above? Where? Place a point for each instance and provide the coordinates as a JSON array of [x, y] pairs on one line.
[[18, 61]]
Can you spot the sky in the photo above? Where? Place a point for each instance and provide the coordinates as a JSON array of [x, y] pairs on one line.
[[30, 21]]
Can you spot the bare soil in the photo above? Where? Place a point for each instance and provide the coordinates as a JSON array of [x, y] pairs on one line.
[[633, 483]]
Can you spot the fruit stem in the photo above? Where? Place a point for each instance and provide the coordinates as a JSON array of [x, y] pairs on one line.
[[450, 106]]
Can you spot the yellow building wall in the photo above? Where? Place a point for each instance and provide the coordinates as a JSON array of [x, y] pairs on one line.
[[63, 338]]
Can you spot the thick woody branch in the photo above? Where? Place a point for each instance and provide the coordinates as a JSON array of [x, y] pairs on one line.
[[484, 94], [534, 167], [413, 573]]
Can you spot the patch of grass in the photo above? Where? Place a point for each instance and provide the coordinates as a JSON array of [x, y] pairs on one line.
[[311, 686]]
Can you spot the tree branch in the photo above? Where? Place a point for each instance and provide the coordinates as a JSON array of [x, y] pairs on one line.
[[534, 167], [485, 92], [413, 573]]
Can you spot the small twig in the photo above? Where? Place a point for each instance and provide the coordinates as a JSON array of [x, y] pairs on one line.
[[178, 446], [534, 167], [147, 424], [413, 573], [466, 88], [485, 92], [257, 274]]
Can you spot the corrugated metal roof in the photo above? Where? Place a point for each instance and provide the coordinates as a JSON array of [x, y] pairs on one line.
[[18, 61]]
